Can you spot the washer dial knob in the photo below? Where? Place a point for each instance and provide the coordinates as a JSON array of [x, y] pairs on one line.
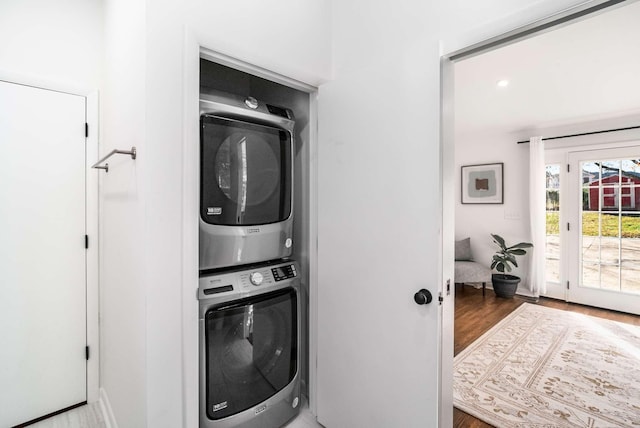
[[256, 278]]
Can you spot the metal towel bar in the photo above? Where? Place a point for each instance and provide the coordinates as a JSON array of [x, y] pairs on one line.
[[97, 165]]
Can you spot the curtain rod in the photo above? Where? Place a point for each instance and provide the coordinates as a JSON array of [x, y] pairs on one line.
[[584, 133]]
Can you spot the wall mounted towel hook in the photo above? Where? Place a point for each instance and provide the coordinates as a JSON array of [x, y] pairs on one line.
[[131, 152]]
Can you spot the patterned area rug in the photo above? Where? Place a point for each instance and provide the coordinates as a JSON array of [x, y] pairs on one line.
[[543, 367]]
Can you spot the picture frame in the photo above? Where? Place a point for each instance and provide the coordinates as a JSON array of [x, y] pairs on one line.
[[482, 184]]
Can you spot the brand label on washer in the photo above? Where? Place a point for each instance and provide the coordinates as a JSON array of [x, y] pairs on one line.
[[214, 210], [261, 409], [219, 406], [253, 230]]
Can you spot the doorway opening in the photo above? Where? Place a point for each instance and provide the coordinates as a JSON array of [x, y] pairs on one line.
[[565, 81], [548, 83]]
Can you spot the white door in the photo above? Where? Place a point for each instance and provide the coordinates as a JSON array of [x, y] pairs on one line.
[[42, 252], [379, 223], [604, 236]]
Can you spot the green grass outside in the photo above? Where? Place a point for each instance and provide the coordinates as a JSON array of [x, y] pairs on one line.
[[630, 224], [553, 218]]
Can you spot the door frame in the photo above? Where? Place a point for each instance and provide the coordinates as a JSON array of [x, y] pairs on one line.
[[92, 115], [93, 252]]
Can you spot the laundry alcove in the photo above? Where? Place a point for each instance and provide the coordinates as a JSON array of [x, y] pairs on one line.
[[216, 77]]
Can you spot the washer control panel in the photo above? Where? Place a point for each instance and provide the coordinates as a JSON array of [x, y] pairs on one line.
[[256, 278], [246, 281], [268, 275], [281, 273]]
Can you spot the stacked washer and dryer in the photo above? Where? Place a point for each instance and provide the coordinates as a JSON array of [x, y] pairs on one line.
[[249, 289]]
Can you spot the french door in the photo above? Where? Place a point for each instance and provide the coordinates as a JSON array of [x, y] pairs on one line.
[[603, 229]]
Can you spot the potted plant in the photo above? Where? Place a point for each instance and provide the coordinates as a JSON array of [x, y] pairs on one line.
[[505, 285]]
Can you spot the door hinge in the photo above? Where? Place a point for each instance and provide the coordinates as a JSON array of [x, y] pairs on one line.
[[86, 352], [86, 241], [567, 285], [86, 129], [568, 167], [568, 226]]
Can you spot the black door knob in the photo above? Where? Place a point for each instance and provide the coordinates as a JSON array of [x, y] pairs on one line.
[[423, 297]]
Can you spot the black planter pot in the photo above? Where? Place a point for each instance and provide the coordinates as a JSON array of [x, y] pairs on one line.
[[505, 285]]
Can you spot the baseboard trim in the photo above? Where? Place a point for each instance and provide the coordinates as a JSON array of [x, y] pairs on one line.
[[105, 408]]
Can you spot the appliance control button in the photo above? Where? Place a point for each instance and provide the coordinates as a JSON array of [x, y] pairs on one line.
[[251, 103], [256, 278], [288, 243]]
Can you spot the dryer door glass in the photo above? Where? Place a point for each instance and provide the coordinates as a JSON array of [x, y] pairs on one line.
[[251, 351], [245, 172]]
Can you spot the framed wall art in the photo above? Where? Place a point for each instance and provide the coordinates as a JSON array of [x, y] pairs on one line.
[[483, 184]]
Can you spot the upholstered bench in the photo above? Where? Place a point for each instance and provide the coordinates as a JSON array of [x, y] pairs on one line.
[[466, 270]]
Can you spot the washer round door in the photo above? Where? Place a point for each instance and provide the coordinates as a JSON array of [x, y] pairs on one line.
[[251, 351]]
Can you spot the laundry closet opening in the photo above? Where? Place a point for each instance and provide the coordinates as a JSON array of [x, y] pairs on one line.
[[264, 204]]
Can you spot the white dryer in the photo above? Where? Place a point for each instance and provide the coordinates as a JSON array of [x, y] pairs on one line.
[[246, 181]]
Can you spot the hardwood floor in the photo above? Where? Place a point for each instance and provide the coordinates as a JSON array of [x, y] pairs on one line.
[[475, 314]]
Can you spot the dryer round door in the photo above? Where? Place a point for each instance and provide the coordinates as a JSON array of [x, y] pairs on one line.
[[245, 172], [231, 168]]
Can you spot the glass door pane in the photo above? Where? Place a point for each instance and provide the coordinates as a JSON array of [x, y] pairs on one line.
[[630, 227], [552, 246], [609, 224]]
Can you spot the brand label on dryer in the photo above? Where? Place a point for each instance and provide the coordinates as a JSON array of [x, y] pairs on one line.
[[261, 409], [219, 406], [253, 230], [214, 210]]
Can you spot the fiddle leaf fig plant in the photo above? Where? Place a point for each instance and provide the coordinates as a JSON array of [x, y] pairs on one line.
[[504, 259]]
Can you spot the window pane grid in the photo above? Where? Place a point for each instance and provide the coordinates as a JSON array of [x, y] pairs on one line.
[[610, 225]]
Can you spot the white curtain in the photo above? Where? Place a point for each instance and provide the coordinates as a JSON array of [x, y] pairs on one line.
[[538, 210]]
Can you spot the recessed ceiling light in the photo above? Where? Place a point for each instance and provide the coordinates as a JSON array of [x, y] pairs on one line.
[[502, 83]]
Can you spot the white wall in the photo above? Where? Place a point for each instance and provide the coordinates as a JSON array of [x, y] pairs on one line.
[[144, 258], [123, 215], [381, 110], [56, 44], [509, 220]]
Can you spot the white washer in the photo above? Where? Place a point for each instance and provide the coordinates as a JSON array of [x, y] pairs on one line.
[[250, 346]]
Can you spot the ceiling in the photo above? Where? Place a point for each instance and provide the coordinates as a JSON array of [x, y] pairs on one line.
[[584, 71]]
